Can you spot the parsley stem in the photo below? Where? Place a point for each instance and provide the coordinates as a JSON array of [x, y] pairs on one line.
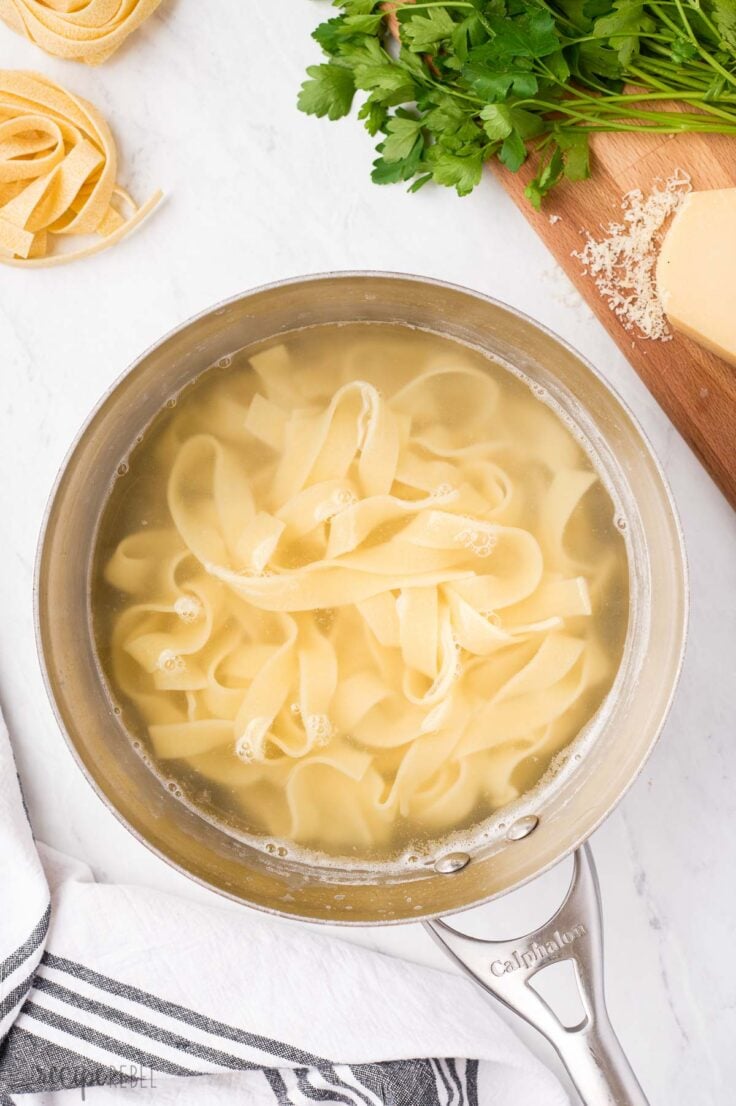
[[703, 16], [630, 128], [671, 121], [693, 38], [693, 77], [441, 4]]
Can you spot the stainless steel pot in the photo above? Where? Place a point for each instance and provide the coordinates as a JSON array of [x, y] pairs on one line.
[[528, 837]]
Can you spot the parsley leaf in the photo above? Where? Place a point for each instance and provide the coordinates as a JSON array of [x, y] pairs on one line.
[[423, 32], [401, 135], [459, 171], [683, 50], [334, 32], [623, 27], [531, 35], [493, 84], [497, 121], [513, 152], [401, 150], [329, 92], [548, 176], [575, 149], [355, 7], [328, 34], [724, 17], [501, 120]]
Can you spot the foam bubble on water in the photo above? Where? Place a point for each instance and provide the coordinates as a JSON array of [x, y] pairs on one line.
[[319, 728], [249, 746], [444, 491], [340, 500], [478, 538], [224, 362], [188, 608], [169, 661]]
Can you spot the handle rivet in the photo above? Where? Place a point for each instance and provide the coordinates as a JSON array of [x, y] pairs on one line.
[[522, 827], [452, 862]]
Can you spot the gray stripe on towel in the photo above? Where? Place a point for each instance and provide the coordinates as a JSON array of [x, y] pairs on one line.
[[328, 1094], [456, 1081], [10, 963], [278, 1086], [294, 1056], [102, 1040], [16, 996], [471, 1081], [147, 1029]]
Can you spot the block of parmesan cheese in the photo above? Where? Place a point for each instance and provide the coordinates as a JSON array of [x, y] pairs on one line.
[[696, 270]]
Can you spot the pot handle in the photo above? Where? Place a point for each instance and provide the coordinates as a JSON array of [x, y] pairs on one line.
[[590, 1050]]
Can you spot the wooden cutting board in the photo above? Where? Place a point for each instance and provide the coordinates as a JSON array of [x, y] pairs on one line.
[[696, 389]]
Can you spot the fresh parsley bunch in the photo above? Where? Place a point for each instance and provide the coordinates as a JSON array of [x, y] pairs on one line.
[[457, 84]]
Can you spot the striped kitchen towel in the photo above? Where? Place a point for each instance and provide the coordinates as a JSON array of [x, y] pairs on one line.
[[105, 989]]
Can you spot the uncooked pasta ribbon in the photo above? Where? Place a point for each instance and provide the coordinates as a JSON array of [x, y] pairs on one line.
[[58, 168], [80, 30], [348, 621]]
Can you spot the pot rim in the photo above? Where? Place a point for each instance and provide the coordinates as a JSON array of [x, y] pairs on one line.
[[314, 278]]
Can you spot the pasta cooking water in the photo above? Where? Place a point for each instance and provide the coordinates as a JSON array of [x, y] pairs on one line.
[[355, 590]]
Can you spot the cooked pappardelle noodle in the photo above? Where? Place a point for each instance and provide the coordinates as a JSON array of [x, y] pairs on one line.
[[357, 589]]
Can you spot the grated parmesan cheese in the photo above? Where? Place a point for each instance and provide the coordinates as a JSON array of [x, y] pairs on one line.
[[622, 264]]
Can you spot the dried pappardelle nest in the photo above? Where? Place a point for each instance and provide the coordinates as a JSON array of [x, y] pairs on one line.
[[58, 168], [80, 30]]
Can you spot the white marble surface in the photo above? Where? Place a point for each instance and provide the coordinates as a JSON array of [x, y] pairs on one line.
[[203, 105]]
